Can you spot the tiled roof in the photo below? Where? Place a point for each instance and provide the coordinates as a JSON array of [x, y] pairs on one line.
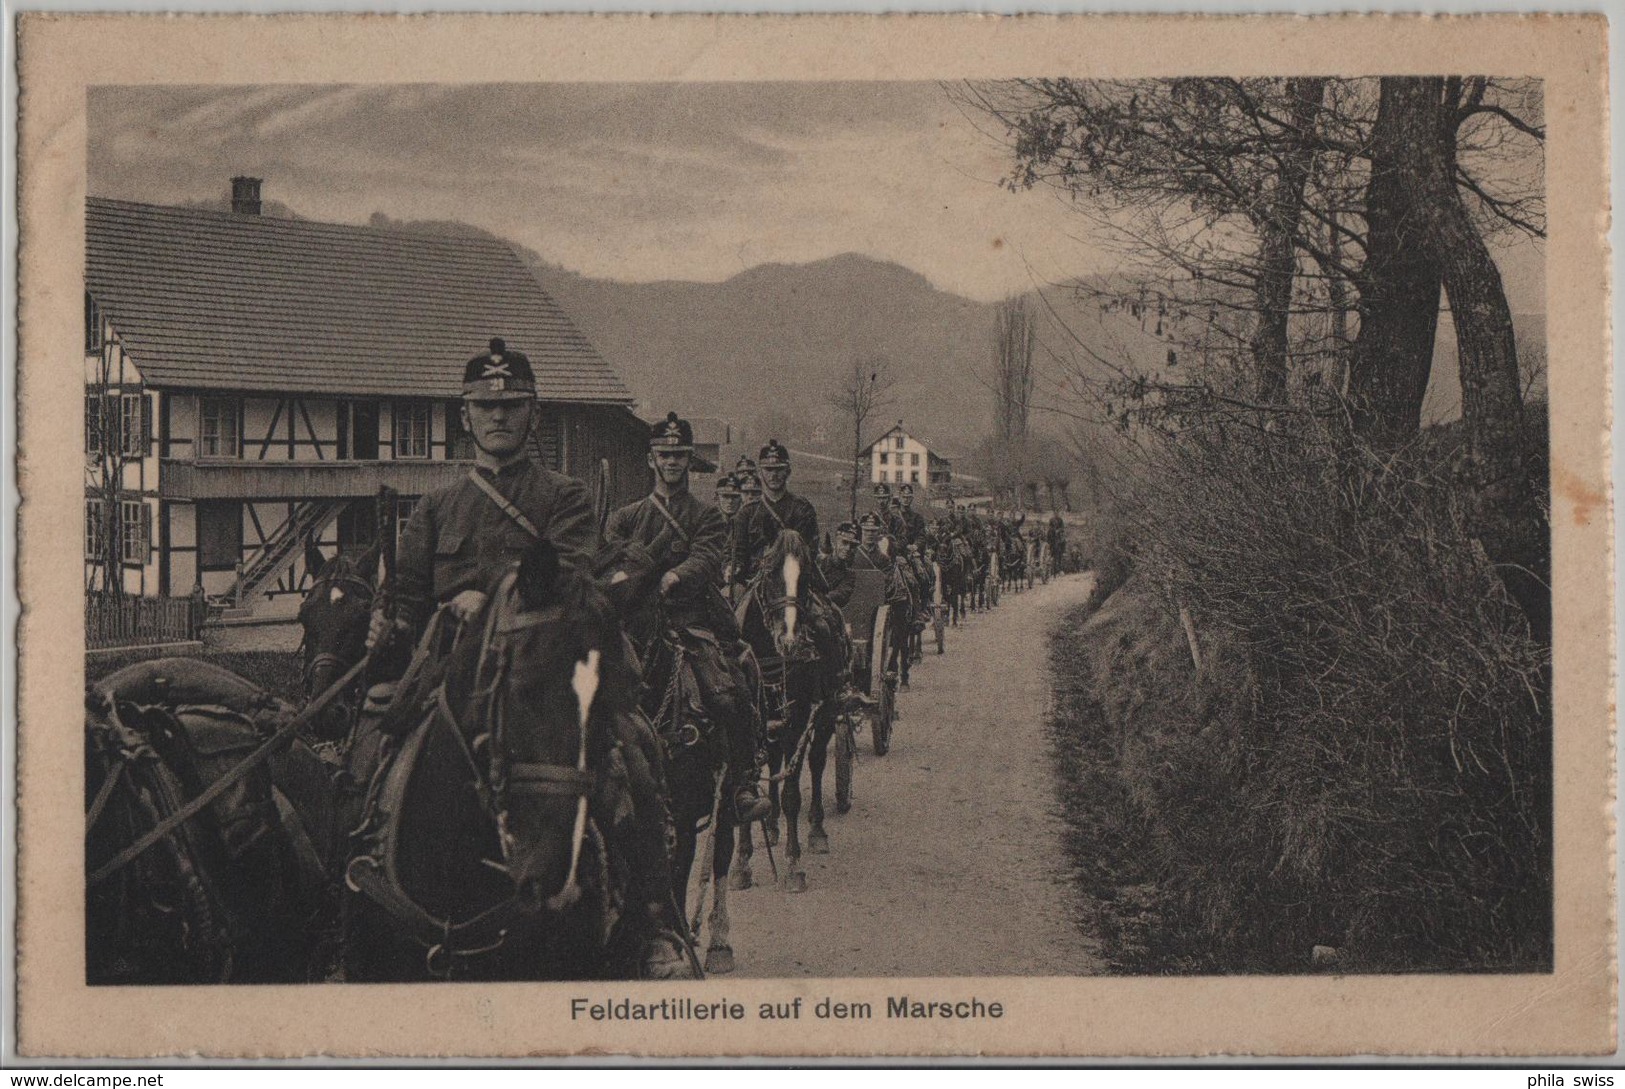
[[219, 300], [893, 429]]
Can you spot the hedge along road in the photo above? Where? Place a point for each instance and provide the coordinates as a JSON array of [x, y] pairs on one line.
[[951, 861]]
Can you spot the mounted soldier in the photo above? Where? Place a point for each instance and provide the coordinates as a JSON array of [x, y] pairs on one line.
[[760, 525], [729, 501], [1057, 539], [913, 520], [460, 539], [889, 525], [750, 482], [685, 540], [779, 509]]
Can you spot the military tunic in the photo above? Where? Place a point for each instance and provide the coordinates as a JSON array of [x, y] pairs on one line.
[[913, 526], [697, 561], [838, 577], [759, 524], [458, 539]]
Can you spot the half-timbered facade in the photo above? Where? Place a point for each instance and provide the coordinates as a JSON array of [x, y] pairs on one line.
[[252, 382]]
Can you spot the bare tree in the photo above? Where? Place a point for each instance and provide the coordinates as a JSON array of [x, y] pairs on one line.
[[1014, 336], [117, 432], [865, 388], [1264, 210]]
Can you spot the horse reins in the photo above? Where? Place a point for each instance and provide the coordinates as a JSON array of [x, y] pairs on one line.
[[486, 932]]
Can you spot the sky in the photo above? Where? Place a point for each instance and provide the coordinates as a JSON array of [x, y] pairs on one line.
[[633, 182], [616, 181]]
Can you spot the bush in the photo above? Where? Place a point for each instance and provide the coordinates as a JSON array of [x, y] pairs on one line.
[[1363, 760]]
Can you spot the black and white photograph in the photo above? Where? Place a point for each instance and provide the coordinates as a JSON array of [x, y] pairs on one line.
[[670, 533]]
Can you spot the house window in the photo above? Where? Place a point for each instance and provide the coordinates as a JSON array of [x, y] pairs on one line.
[[93, 529], [134, 531], [219, 427], [93, 325], [914, 476], [899, 476], [134, 424], [899, 442], [412, 429], [219, 535], [914, 460], [358, 430], [883, 457], [93, 423]]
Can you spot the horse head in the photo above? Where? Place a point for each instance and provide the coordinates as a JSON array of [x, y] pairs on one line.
[[334, 616], [528, 697], [787, 572]]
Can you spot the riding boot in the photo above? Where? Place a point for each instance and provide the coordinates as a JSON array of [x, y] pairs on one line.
[[746, 770], [663, 936]]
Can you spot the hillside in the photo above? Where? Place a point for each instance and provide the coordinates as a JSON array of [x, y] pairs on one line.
[[773, 339]]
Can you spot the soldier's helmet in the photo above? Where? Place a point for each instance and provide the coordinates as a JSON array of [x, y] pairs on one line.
[[750, 485], [773, 455], [847, 533], [882, 491], [745, 464], [728, 486], [499, 375], [671, 434], [906, 489], [870, 521]]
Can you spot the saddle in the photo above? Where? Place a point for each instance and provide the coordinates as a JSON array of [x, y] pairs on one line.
[[386, 758], [202, 721]]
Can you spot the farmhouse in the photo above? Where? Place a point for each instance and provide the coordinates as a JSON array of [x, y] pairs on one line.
[[252, 382], [898, 457]]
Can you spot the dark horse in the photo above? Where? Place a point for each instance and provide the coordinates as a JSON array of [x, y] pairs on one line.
[[696, 751], [334, 616], [483, 851], [235, 894], [797, 697]]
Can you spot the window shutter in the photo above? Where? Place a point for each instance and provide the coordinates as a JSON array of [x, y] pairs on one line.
[[143, 444], [93, 423], [146, 526]]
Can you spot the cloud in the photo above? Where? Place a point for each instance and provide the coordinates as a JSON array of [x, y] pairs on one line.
[[619, 181]]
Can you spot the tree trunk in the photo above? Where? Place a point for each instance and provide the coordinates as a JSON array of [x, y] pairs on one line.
[[1278, 250], [1504, 514], [1399, 286]]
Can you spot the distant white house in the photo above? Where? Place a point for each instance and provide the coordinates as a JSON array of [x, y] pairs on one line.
[[898, 457]]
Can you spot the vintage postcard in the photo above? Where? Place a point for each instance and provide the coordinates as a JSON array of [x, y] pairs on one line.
[[815, 536]]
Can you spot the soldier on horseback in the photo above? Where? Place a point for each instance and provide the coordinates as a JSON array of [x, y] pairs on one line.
[[1057, 540], [759, 527], [750, 483], [889, 523], [461, 537], [913, 520], [730, 499], [686, 540]]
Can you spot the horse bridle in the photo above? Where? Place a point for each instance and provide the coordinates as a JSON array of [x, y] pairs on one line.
[[367, 593], [487, 931]]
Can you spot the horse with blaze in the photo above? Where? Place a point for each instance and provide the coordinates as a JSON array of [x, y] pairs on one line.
[[485, 850], [797, 696]]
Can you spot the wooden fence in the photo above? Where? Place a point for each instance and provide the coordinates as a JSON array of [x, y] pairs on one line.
[[135, 621]]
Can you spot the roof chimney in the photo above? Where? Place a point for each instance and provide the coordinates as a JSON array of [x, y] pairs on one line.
[[245, 196]]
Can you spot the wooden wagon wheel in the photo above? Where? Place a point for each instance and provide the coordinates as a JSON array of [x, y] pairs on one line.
[[881, 686]]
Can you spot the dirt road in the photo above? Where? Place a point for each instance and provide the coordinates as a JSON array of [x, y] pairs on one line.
[[950, 862]]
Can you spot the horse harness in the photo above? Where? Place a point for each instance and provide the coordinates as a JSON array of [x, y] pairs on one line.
[[373, 871]]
